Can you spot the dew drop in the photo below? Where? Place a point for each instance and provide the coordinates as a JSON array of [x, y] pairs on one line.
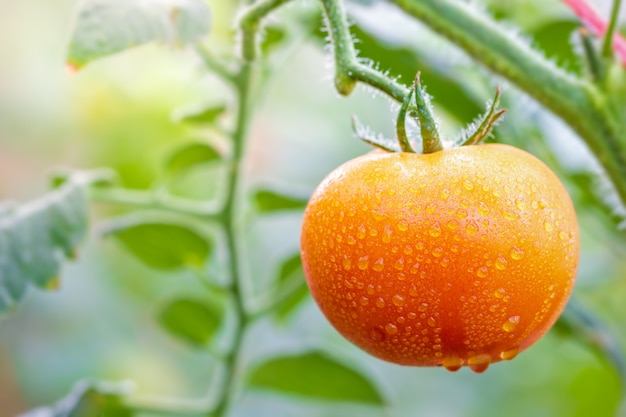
[[399, 264], [452, 364], [468, 185], [510, 215], [380, 302], [401, 277], [373, 232], [431, 208], [408, 249], [377, 335], [387, 234], [378, 265], [391, 328], [501, 263], [422, 307], [507, 355], [411, 315], [413, 291], [479, 363], [482, 272], [363, 263], [361, 232], [483, 209], [397, 300], [511, 324], [347, 264], [461, 213], [499, 293], [520, 204], [563, 235], [431, 322], [471, 228], [435, 230], [452, 225], [364, 301], [403, 226], [548, 226], [444, 262], [517, 253], [437, 252]]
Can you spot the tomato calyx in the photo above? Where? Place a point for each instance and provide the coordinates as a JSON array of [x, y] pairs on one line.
[[423, 116]]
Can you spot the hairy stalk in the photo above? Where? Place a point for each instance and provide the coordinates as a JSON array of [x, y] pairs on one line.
[[250, 23], [579, 103], [232, 359], [348, 69], [607, 45]]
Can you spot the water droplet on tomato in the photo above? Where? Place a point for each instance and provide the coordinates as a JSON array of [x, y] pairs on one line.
[[452, 364], [437, 252], [380, 302], [479, 363], [520, 204], [471, 228], [482, 272], [387, 234], [511, 324], [507, 355], [431, 322], [510, 215], [378, 265], [517, 253], [399, 264], [403, 225], [391, 328], [361, 232], [397, 300], [435, 230], [363, 263], [483, 209], [422, 307], [499, 293], [347, 264], [501, 263], [548, 226], [468, 185]]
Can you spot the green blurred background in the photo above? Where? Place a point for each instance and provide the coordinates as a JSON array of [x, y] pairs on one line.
[[118, 113]]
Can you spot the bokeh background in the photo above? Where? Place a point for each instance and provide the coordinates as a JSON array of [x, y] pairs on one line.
[[118, 113]]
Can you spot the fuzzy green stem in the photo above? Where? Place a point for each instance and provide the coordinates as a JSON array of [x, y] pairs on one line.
[[592, 59], [403, 140], [607, 44], [250, 24], [348, 69], [431, 141], [579, 103]]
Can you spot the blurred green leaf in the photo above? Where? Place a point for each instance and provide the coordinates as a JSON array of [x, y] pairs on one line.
[[291, 278], [583, 325], [104, 27], [190, 155], [35, 236], [267, 201], [315, 375], [163, 245], [273, 36], [201, 115], [88, 400], [192, 321], [554, 39]]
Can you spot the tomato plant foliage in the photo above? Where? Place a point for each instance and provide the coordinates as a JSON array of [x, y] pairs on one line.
[[210, 218]]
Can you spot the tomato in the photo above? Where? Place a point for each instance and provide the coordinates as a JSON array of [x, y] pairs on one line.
[[462, 257]]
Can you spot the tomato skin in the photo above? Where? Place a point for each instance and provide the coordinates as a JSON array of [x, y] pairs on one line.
[[462, 257]]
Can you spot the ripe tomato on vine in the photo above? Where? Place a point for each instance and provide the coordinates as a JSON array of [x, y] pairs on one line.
[[458, 257]]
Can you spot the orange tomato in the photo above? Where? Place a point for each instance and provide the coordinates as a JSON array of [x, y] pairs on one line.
[[462, 257]]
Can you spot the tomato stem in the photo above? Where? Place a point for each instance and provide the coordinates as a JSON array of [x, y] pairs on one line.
[[431, 141], [403, 140], [488, 122]]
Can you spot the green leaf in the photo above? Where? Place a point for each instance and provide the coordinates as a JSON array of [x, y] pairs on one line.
[[162, 244], [583, 325], [35, 237], [190, 155], [267, 201], [201, 115], [104, 27], [88, 399], [317, 376], [192, 321]]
